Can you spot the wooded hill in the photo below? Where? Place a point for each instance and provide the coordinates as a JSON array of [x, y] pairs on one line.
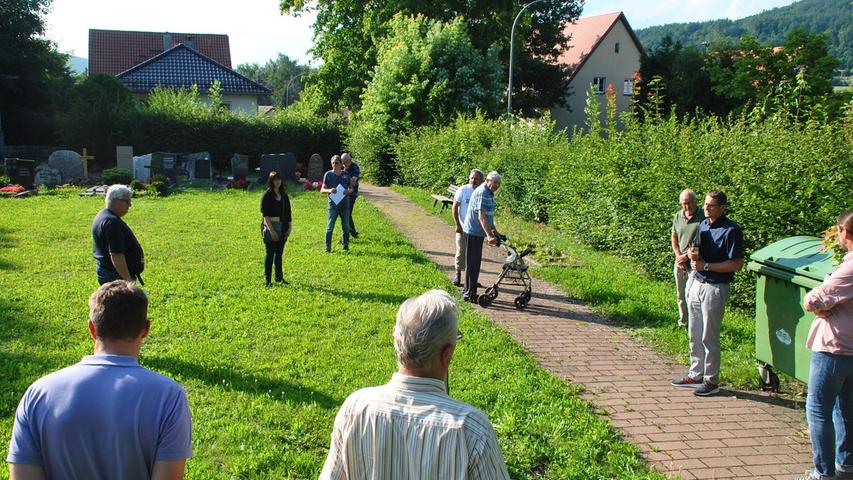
[[832, 17]]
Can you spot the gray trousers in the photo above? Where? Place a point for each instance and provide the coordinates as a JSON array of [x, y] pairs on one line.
[[706, 303], [461, 246], [682, 286]]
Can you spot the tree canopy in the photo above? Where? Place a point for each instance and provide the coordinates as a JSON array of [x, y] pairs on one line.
[[429, 72], [347, 34], [831, 17], [284, 76], [33, 74], [749, 72]]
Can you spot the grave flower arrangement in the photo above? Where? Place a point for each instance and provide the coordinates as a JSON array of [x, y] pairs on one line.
[[12, 190]]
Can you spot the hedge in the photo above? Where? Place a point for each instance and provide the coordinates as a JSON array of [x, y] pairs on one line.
[[618, 190]]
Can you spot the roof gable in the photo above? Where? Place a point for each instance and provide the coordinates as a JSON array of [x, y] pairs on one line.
[[182, 67], [114, 51], [586, 34]]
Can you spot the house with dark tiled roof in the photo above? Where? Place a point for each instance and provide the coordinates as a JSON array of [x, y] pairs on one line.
[[603, 52], [114, 51], [182, 67], [146, 60]]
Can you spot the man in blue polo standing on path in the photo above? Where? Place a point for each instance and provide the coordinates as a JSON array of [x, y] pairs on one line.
[[714, 263], [479, 226]]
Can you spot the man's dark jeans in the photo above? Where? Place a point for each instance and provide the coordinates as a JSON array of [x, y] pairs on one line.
[[473, 257]]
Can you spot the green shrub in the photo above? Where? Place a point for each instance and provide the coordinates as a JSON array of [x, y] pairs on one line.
[[112, 176], [137, 186], [618, 190]]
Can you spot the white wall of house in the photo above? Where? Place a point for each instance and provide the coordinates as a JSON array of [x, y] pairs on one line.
[[604, 62], [247, 104]]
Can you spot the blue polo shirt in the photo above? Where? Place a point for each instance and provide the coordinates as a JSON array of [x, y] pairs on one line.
[[719, 242], [354, 171], [481, 200], [103, 418]]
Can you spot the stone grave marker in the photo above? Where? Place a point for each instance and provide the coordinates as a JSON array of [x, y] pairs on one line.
[[20, 171], [68, 163], [239, 166], [124, 157], [283, 163], [315, 168], [47, 175], [198, 166]]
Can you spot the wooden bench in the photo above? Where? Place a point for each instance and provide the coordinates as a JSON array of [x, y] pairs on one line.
[[445, 201]]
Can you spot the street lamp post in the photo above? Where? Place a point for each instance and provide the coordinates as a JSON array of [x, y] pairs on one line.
[[511, 45], [287, 88]]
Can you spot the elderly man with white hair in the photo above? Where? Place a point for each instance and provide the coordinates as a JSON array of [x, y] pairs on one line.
[[479, 226], [116, 250], [410, 427], [685, 228]]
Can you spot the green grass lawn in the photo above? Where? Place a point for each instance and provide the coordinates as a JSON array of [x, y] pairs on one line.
[[266, 370], [616, 287]]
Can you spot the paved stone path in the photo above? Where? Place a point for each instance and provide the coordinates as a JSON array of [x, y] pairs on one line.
[[735, 434]]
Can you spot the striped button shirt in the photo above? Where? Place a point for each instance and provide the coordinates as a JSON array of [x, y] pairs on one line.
[[411, 429]]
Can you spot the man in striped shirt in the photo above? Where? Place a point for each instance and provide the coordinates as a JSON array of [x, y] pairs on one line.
[[410, 428]]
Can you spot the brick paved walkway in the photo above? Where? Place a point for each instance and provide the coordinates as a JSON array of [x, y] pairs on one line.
[[737, 434]]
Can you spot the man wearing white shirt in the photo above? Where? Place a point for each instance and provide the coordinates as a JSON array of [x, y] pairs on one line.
[[410, 427], [460, 209]]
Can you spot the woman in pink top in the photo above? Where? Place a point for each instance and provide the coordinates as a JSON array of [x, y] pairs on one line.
[[829, 405]]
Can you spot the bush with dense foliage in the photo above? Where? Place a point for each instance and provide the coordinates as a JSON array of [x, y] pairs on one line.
[[428, 73], [177, 121], [618, 190], [111, 176]]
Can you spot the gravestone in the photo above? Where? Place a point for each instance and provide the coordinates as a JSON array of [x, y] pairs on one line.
[[283, 163], [170, 165], [124, 157], [239, 166], [198, 166], [69, 164], [47, 175], [315, 168], [142, 168], [20, 171]]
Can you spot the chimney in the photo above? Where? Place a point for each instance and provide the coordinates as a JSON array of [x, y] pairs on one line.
[[167, 41], [190, 42]]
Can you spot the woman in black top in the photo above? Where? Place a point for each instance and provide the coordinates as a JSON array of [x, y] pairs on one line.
[[275, 207]]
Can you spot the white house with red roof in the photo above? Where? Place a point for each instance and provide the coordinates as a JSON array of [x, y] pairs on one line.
[[603, 52]]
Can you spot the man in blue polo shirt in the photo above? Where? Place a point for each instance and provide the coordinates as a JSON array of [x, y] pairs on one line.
[[714, 263], [479, 226], [105, 417]]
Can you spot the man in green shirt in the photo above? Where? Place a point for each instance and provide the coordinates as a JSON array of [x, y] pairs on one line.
[[685, 226]]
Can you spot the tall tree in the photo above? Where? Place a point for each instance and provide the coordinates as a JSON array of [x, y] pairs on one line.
[[685, 82], [347, 32], [33, 74], [749, 72], [284, 76], [428, 73]]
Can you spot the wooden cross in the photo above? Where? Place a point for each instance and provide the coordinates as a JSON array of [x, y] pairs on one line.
[[85, 158]]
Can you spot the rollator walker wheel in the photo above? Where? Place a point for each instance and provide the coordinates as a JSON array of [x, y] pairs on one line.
[[484, 301]]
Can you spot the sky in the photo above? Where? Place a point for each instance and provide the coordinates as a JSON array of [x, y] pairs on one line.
[[258, 32]]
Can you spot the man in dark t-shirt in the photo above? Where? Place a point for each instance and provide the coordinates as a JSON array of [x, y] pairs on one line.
[[115, 248]]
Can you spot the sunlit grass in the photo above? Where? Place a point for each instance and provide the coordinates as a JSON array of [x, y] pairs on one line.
[[266, 370]]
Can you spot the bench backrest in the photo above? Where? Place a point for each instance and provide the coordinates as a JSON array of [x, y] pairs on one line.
[[452, 189]]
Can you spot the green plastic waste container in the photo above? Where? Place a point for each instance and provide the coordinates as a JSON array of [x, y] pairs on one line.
[[786, 270]]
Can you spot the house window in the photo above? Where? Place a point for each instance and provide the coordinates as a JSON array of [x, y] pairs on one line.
[[616, 48], [628, 87], [599, 84]]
